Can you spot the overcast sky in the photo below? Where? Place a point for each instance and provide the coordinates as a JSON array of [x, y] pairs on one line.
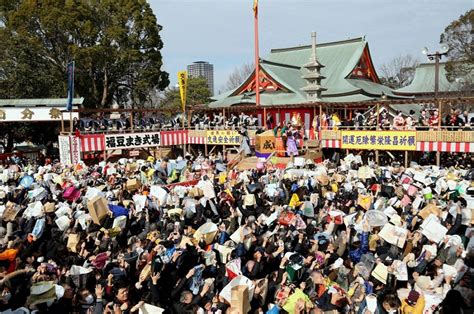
[[221, 31]]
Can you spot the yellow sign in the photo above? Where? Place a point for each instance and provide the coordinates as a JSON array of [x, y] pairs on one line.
[[223, 137], [379, 140], [182, 81]]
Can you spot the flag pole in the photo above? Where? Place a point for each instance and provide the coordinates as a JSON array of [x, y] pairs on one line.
[[257, 65]]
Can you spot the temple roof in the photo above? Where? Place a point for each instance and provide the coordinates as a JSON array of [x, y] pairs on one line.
[[39, 102], [349, 76], [424, 80]]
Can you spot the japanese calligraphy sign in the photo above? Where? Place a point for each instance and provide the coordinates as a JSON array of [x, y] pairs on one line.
[[132, 140], [223, 137], [75, 150], [64, 150], [380, 140], [69, 149], [182, 81], [265, 142]]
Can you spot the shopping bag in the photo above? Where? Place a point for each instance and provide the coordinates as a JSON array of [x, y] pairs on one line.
[[207, 231], [428, 210], [240, 302], [71, 194], [249, 200], [295, 272], [98, 209], [364, 201], [133, 184], [286, 218], [412, 190], [72, 241], [294, 201]]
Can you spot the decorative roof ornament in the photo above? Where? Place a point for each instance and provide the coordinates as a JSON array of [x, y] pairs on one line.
[[313, 76]]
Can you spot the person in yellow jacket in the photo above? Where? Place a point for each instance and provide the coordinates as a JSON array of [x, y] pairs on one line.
[[336, 121], [414, 303]]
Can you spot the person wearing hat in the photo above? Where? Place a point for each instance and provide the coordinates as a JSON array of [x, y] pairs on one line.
[[414, 303]]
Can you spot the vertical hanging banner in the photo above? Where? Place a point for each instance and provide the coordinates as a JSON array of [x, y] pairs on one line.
[[75, 150], [70, 85], [69, 149], [183, 81], [64, 149]]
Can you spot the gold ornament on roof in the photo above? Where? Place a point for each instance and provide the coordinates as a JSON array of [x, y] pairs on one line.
[[3, 115], [27, 114], [54, 113]]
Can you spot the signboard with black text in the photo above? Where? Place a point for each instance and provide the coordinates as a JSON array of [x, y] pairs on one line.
[[132, 140]]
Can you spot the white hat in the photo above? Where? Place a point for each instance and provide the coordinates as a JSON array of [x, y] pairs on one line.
[[423, 283], [454, 240]]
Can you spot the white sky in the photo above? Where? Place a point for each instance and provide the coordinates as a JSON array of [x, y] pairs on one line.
[[221, 31]]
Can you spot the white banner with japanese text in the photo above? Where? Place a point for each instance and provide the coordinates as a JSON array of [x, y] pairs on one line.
[[132, 140], [64, 149]]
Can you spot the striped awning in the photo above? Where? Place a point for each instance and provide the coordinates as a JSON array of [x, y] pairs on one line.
[[448, 147], [451, 147], [92, 142], [330, 143], [170, 138]]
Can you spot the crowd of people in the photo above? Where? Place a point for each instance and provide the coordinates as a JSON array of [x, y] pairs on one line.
[[424, 121], [310, 238]]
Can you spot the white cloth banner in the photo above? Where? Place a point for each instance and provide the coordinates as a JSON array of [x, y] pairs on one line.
[[64, 150], [132, 140]]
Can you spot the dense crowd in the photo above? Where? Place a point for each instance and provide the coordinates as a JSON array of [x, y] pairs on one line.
[[310, 238]]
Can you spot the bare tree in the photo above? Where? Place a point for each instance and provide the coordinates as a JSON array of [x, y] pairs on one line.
[[239, 75], [399, 71], [459, 68]]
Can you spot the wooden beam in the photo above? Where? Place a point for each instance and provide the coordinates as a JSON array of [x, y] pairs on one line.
[[213, 147], [70, 122], [264, 120], [62, 122]]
